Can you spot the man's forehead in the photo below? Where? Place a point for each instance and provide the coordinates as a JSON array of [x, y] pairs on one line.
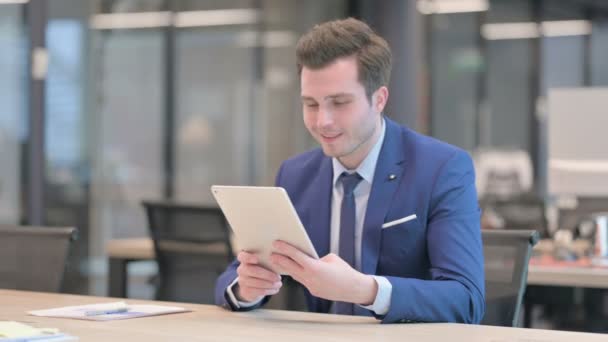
[[332, 81]]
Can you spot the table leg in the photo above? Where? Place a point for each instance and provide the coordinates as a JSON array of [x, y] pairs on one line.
[[117, 278], [527, 314]]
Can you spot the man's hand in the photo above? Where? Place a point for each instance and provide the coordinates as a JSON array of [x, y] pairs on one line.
[[329, 277], [254, 281]]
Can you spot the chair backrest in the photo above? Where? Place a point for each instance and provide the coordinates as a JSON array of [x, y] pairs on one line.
[[34, 258], [506, 254], [192, 246]]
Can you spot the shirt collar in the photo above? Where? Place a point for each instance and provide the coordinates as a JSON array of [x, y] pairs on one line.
[[367, 168]]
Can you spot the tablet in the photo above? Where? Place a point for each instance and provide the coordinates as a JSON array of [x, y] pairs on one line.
[[260, 215]]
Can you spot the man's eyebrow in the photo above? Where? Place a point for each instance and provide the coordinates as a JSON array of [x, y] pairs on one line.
[[328, 97], [334, 96]]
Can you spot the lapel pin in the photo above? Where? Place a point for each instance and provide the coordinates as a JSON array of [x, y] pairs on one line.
[[392, 177]]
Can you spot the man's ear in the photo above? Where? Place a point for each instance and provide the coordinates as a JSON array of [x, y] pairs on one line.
[[379, 99]]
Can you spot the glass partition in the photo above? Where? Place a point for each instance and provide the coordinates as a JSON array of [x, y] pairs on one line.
[[13, 111]]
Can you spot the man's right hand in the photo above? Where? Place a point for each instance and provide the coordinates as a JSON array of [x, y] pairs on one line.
[[255, 281]]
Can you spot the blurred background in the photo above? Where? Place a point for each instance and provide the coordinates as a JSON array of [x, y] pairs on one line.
[[105, 103]]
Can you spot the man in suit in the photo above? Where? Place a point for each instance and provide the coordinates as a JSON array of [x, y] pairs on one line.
[[393, 213]]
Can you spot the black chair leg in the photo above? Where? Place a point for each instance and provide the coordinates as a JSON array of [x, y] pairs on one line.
[[528, 314]]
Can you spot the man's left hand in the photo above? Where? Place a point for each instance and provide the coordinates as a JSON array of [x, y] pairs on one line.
[[329, 277]]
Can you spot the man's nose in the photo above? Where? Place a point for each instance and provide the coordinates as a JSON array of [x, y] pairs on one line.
[[325, 118]]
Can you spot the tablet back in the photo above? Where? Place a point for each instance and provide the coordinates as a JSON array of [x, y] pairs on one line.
[[260, 215]]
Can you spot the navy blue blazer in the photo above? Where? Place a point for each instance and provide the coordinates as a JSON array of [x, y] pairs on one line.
[[434, 262]]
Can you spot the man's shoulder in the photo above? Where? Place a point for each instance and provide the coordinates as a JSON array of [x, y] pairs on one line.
[[428, 143], [300, 170], [425, 147]]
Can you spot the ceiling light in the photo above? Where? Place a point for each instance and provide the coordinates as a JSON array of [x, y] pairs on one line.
[[452, 6]]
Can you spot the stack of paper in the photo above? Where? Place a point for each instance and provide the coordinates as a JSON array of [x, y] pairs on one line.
[[19, 332], [108, 311]]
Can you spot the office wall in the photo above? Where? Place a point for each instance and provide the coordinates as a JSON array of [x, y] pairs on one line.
[[236, 111], [490, 71], [578, 157], [12, 111]]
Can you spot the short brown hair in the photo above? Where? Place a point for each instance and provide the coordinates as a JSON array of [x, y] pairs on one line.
[[332, 40]]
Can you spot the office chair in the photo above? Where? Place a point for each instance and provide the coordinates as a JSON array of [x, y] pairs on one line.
[[34, 258], [506, 254], [192, 247]]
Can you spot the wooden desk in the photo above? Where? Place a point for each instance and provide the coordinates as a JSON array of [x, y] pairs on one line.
[[544, 270], [572, 276], [211, 323], [578, 275]]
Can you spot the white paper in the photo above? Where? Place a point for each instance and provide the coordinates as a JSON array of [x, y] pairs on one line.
[[11, 331], [134, 311]]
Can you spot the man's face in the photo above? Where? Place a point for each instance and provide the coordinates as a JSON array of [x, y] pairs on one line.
[[338, 113]]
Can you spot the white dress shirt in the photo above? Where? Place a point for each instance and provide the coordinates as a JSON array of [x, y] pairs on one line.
[[366, 170]]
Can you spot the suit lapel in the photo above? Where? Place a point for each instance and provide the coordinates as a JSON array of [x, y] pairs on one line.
[[320, 211], [387, 177], [321, 208]]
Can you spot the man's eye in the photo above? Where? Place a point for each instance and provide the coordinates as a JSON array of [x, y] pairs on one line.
[[312, 105], [340, 103]]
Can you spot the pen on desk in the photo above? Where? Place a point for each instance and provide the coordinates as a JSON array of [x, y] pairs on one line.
[[105, 311]]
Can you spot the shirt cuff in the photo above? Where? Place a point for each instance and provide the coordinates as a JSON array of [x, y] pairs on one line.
[[235, 302], [382, 303]]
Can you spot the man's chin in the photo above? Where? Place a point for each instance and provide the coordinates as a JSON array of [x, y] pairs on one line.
[[333, 152], [330, 152]]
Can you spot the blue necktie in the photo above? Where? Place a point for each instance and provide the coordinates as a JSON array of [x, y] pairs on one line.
[[347, 229]]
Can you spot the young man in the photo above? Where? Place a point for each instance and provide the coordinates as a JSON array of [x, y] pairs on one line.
[[393, 213]]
